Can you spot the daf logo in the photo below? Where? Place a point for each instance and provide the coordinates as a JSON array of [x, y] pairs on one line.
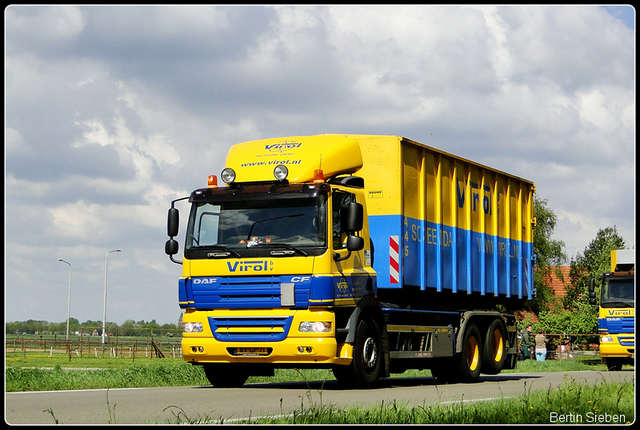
[[204, 281]]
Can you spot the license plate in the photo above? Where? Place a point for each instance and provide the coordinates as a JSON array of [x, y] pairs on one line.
[[252, 351]]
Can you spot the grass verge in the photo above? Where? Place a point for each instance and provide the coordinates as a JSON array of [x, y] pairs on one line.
[[579, 403], [135, 376]]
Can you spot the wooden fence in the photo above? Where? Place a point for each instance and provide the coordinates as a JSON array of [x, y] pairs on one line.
[[85, 345]]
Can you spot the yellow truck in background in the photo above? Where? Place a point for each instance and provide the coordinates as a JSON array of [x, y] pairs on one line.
[[368, 255], [616, 312]]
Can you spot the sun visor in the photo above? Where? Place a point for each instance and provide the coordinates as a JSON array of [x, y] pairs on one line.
[[302, 156]]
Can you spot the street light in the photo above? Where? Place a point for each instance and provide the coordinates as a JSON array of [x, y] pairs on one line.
[[104, 311], [68, 297]]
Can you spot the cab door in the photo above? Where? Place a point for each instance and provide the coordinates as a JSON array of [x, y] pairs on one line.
[[352, 268]]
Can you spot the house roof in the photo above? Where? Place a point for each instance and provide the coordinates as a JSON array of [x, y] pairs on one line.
[[557, 284]]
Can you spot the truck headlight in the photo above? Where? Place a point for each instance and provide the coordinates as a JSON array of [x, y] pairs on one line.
[[228, 175], [606, 339], [193, 327], [281, 172], [314, 327]]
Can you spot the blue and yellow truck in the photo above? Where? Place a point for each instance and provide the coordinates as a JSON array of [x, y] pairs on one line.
[[616, 311], [368, 255]]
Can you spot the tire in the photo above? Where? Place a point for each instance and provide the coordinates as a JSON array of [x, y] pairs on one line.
[[225, 375], [470, 364], [495, 349], [367, 363]]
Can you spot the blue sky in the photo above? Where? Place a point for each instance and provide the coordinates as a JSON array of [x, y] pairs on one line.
[[626, 14], [114, 111]]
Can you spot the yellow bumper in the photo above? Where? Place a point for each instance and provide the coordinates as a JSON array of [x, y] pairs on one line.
[[288, 351], [614, 349], [295, 348]]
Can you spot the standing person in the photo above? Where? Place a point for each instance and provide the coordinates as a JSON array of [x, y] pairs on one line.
[[541, 346], [525, 343]]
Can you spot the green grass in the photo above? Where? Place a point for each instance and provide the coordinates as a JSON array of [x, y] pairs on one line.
[[88, 361], [36, 379], [606, 402], [39, 371], [576, 364], [581, 403]]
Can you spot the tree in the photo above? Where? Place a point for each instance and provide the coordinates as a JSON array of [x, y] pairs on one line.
[[549, 255], [74, 325], [129, 328], [582, 319], [595, 261]]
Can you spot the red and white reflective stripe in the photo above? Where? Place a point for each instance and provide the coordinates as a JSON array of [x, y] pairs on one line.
[[394, 259]]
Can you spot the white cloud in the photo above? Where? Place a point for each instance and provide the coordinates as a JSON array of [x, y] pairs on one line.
[[79, 221], [15, 143], [596, 112]]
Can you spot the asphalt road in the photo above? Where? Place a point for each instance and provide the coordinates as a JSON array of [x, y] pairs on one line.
[[163, 405]]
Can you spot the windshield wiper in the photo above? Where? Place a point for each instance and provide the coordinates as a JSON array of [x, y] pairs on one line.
[[226, 252], [282, 245], [270, 219]]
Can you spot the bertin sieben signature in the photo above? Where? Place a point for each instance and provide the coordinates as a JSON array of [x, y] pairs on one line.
[[587, 418]]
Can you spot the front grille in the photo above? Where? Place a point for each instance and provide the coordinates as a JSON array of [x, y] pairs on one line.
[[626, 341], [620, 325], [250, 329]]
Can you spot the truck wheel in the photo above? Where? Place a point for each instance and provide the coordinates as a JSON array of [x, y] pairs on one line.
[[495, 349], [366, 365], [471, 357], [225, 375]]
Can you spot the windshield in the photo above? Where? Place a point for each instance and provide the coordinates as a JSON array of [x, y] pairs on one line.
[[240, 225], [617, 293]]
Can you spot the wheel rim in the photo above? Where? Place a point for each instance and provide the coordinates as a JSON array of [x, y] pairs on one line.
[[369, 353], [473, 353], [498, 345]]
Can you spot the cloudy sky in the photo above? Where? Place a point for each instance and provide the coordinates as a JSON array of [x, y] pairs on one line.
[[112, 112]]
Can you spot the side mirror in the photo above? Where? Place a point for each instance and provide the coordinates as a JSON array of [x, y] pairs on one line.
[[173, 221], [592, 293], [355, 243], [352, 218], [171, 247], [351, 221]]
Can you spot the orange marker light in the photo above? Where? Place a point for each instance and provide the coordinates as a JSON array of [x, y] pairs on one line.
[[212, 181], [318, 176]]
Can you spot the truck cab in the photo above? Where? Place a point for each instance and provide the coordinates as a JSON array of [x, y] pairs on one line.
[[273, 270], [616, 312]]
